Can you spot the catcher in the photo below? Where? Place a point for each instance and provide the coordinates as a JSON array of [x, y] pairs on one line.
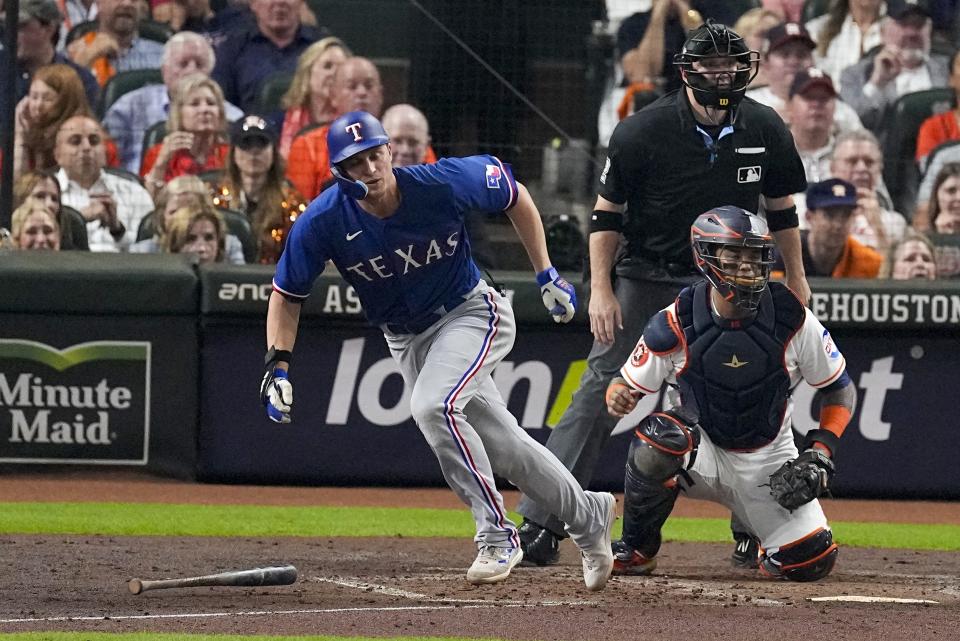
[[735, 347]]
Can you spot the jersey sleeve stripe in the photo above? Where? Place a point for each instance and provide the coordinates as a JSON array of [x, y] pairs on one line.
[[840, 369], [284, 292], [634, 384], [511, 184]]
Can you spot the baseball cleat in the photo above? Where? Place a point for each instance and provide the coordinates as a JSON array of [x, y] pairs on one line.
[[493, 564], [629, 562], [597, 556], [540, 545], [746, 554]]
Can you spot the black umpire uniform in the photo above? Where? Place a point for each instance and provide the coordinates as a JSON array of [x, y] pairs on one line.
[[668, 169]]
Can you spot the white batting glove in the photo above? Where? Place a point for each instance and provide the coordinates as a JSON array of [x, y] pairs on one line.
[[559, 296]]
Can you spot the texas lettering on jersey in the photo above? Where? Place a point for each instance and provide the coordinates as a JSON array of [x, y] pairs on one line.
[[417, 260], [427, 253]]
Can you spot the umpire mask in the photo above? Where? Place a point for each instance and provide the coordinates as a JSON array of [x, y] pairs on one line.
[[717, 65]]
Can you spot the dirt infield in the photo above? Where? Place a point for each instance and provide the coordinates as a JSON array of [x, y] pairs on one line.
[[393, 587]]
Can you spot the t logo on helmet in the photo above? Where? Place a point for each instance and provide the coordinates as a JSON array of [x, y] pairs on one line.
[[354, 128]]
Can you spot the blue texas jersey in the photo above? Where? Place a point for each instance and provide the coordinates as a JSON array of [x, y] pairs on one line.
[[405, 267]]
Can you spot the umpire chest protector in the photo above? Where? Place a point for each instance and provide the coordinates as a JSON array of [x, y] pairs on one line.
[[735, 379]]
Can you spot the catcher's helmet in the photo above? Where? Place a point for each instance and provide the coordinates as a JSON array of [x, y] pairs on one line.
[[730, 226], [717, 89], [351, 133]]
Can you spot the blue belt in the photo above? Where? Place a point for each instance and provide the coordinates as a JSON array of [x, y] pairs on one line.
[[416, 326]]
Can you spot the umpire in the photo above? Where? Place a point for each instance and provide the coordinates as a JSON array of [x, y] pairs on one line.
[[699, 147]]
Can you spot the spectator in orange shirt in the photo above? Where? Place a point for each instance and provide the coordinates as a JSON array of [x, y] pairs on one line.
[[195, 140], [942, 127], [116, 44], [356, 87], [828, 248], [308, 100], [409, 135]]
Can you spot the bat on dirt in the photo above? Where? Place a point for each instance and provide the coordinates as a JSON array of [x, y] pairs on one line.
[[277, 575]]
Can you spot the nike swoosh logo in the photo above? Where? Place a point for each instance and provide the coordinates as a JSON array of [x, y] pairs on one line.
[[354, 235]]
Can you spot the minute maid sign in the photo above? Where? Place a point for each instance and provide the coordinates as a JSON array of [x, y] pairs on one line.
[[88, 403]]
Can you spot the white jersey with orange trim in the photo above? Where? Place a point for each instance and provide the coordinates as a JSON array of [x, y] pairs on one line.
[[810, 355], [739, 479]]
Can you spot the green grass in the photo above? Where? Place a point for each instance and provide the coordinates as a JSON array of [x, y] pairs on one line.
[[156, 636], [161, 519]]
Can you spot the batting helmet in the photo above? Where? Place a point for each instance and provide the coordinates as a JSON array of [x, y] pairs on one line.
[[351, 133], [731, 226], [721, 89]]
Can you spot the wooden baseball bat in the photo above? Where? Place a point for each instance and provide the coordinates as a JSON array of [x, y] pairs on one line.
[[277, 575]]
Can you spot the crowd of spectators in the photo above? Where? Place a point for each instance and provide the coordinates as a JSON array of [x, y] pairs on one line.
[[200, 125], [846, 76]]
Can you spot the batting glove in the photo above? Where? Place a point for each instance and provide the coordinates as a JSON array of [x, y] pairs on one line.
[[276, 392], [559, 296]]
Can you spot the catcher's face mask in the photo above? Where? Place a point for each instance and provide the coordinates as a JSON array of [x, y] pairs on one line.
[[733, 249]]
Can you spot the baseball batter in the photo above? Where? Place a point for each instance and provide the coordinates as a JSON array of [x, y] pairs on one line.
[[397, 236], [735, 346]]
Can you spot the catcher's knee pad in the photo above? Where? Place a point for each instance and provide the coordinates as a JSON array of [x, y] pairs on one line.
[[663, 446], [664, 443], [809, 559]]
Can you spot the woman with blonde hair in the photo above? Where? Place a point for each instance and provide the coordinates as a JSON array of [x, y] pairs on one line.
[[44, 187], [912, 257], [307, 102], [183, 191], [34, 227], [753, 26], [198, 229], [56, 95], [195, 140]]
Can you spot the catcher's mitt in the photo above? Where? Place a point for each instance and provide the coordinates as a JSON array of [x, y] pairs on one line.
[[801, 480]]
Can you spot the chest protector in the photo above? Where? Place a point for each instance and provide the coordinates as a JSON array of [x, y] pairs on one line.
[[735, 380]]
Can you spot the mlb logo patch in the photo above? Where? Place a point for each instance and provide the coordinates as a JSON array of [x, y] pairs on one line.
[[493, 177], [749, 174]]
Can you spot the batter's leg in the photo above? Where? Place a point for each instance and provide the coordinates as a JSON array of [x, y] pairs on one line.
[[583, 430], [518, 457], [453, 359]]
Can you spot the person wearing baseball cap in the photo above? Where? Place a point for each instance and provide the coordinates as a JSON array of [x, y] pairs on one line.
[[37, 35], [828, 248], [811, 109], [902, 64], [254, 184], [787, 51]]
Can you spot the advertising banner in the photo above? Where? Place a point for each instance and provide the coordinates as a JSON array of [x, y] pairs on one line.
[[88, 403], [351, 419], [99, 361]]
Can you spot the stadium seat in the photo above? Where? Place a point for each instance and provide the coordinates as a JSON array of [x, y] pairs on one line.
[[156, 31], [813, 9], [125, 82], [900, 172], [154, 134], [73, 229], [149, 30], [271, 93]]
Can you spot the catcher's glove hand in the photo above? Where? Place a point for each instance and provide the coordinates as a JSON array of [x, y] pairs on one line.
[[801, 480]]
